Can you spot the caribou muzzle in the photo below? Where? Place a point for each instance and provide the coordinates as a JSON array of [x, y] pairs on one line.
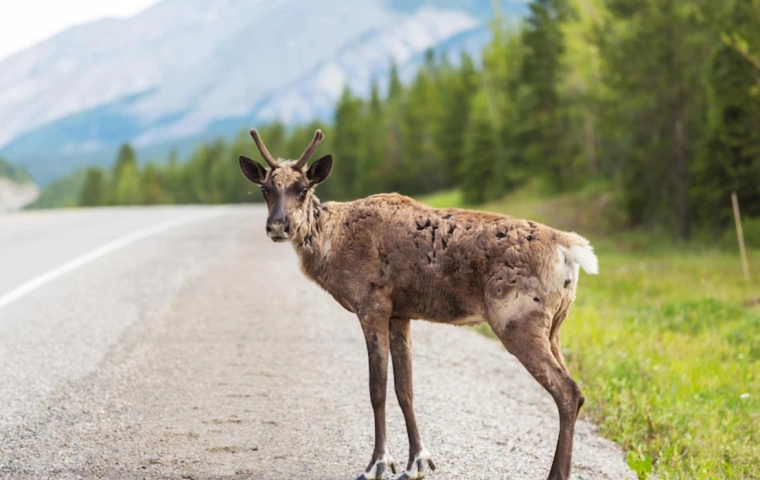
[[278, 223], [278, 232]]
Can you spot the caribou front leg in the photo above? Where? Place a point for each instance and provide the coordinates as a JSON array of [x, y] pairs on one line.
[[401, 352], [375, 327]]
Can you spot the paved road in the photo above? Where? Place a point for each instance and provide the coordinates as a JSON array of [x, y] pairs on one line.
[[197, 350]]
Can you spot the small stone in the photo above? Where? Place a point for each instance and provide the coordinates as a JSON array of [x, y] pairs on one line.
[[744, 396]]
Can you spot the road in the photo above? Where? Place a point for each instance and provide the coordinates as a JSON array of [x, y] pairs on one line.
[[180, 343]]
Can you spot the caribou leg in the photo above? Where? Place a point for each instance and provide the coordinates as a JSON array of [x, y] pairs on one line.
[[375, 328], [401, 353], [527, 338]]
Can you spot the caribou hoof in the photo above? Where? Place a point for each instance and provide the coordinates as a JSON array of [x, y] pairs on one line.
[[376, 471], [417, 469]]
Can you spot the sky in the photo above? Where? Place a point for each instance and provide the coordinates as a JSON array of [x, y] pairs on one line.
[[24, 23]]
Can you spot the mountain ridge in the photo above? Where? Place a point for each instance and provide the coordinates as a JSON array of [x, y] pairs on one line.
[[78, 96]]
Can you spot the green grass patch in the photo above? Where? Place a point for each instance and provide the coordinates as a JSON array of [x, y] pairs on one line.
[[443, 199], [665, 342], [669, 360]]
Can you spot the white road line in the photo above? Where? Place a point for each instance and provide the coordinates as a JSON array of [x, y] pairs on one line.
[[122, 242]]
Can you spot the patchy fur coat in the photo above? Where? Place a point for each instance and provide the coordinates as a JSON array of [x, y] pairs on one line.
[[443, 265]]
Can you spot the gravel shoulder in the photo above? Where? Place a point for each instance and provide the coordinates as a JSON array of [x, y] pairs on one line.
[[244, 369]]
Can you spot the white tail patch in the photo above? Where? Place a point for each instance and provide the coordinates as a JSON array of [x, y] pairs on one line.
[[584, 256]]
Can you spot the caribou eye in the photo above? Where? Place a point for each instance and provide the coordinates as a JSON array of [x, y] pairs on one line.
[[264, 192], [302, 193]]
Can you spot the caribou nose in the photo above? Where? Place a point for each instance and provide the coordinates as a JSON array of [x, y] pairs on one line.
[[278, 229]]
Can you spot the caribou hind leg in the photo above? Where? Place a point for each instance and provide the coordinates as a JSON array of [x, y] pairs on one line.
[[401, 353], [375, 327], [554, 340], [527, 337]]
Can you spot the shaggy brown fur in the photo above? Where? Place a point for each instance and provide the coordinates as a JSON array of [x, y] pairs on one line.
[[390, 259]]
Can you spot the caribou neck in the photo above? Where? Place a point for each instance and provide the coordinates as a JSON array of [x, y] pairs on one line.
[[309, 240]]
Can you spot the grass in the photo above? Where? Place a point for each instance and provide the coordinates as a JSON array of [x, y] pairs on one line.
[[665, 343], [444, 198]]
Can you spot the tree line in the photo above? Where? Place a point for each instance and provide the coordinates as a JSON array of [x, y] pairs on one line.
[[659, 99]]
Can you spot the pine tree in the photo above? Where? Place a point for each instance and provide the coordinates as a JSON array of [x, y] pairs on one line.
[[420, 163], [581, 91], [457, 86], [126, 178], [731, 161], [501, 81], [393, 178], [214, 171], [655, 71], [346, 146], [126, 158], [173, 188], [129, 186], [152, 185], [395, 87], [94, 189], [540, 133], [372, 166], [478, 172]]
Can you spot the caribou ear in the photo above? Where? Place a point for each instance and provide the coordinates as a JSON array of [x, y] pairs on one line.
[[319, 170], [252, 170]]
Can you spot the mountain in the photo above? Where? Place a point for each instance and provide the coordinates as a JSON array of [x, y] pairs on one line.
[[189, 69]]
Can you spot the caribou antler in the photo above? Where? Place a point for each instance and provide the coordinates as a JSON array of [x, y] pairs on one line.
[[263, 150], [318, 137]]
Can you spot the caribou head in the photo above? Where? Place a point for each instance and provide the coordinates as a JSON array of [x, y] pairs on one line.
[[287, 186]]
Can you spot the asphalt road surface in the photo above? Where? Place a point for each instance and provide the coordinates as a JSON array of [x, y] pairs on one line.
[[181, 343]]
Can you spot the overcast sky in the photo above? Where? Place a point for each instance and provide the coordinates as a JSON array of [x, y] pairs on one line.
[[24, 23]]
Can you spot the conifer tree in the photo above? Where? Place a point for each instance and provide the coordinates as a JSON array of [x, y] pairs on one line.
[[346, 145], [419, 162], [372, 168], [541, 129], [457, 86], [655, 70], [126, 178], [128, 187], [395, 87], [478, 172], [126, 158], [94, 189], [731, 161]]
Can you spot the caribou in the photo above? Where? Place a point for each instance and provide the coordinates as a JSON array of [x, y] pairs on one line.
[[390, 259]]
